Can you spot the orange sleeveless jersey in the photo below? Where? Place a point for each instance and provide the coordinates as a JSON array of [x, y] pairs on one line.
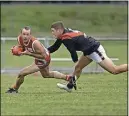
[[41, 63]]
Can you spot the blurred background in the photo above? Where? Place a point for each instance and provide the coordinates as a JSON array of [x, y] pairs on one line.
[[96, 18], [104, 20]]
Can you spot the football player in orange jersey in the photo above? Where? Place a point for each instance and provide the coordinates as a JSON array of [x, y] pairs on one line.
[[34, 48]]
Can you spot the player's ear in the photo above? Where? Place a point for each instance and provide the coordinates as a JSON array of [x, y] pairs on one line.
[[59, 30]]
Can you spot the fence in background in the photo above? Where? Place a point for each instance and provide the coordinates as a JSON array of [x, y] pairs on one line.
[[48, 39], [89, 69]]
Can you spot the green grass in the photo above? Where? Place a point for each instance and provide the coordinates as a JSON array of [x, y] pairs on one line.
[[101, 94], [111, 47], [92, 19], [97, 94]]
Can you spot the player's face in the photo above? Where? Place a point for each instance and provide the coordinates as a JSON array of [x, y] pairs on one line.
[[25, 35], [56, 33]]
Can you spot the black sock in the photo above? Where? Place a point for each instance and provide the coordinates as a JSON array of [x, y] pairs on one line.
[[70, 85]]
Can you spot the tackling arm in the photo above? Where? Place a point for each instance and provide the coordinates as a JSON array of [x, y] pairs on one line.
[[70, 46], [55, 46]]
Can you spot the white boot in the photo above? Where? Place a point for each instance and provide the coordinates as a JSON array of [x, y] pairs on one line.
[[63, 86]]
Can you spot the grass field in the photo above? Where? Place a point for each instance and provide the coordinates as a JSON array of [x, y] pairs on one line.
[[101, 94], [97, 94]]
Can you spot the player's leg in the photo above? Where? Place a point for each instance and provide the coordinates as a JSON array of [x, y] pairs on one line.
[[108, 65], [82, 62], [102, 59], [46, 73], [20, 79]]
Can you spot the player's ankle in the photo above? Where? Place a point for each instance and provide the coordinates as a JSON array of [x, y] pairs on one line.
[[14, 87], [68, 77]]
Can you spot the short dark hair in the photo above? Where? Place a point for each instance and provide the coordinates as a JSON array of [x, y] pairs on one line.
[[58, 25], [26, 28]]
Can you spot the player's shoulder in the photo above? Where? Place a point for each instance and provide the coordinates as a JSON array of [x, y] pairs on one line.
[[33, 38], [72, 30], [70, 33]]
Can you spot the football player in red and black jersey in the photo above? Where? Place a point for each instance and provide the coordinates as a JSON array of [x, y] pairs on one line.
[[92, 50]]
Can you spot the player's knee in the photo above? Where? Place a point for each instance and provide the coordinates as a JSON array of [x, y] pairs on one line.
[[22, 74], [46, 76], [114, 71]]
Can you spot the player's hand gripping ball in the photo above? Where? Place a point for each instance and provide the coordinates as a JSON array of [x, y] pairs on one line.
[[16, 50]]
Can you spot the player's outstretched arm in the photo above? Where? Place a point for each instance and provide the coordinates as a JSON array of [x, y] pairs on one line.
[[71, 49], [55, 46]]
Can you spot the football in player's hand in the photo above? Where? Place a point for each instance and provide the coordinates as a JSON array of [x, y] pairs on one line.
[[16, 50]]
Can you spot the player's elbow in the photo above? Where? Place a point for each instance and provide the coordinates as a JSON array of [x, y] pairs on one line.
[[74, 58], [42, 56]]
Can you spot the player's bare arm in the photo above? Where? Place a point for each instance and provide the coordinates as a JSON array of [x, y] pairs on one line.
[[39, 51]]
